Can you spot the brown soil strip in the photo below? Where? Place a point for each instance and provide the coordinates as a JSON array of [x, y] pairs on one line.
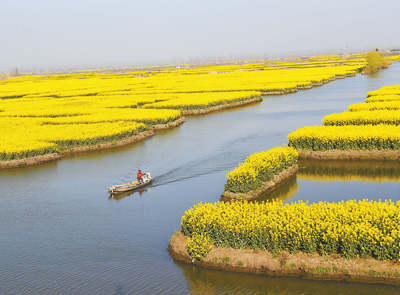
[[108, 145], [221, 107], [84, 149], [305, 87], [317, 84], [169, 125], [273, 93], [307, 266], [350, 155], [279, 179], [280, 92], [29, 161], [308, 86]]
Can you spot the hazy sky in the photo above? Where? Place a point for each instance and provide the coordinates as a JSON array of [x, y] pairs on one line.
[[70, 33]]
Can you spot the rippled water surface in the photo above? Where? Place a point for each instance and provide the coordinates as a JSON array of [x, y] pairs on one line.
[[62, 233]]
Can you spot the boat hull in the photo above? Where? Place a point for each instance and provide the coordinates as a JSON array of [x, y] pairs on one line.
[[130, 186]]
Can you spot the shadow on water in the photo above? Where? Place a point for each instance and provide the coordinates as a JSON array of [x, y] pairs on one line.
[[207, 281]]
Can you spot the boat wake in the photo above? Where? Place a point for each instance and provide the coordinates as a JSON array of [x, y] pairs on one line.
[[193, 169]]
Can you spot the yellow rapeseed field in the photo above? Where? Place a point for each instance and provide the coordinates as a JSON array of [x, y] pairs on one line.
[[114, 101], [372, 125], [30, 137], [387, 90], [203, 100], [391, 117], [260, 167], [371, 106], [353, 228], [349, 137], [376, 98]]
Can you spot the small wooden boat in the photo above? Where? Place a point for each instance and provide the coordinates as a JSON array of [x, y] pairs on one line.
[[121, 188]]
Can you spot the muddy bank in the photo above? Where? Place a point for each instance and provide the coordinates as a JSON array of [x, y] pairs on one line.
[[176, 123], [221, 107], [350, 155], [307, 266], [317, 84], [280, 92], [107, 145], [279, 179], [30, 161], [84, 149], [305, 87], [312, 85]]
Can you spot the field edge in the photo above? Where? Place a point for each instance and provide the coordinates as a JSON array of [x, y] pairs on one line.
[[393, 155], [307, 266], [278, 180], [37, 160]]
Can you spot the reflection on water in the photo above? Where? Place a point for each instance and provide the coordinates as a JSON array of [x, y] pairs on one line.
[[283, 192], [207, 281], [343, 177], [120, 196], [341, 170]]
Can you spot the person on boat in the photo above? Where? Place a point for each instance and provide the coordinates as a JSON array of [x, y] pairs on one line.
[[139, 176]]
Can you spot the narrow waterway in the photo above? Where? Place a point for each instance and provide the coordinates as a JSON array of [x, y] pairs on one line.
[[62, 233]]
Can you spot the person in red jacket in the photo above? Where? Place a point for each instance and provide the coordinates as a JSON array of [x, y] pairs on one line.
[[139, 176]]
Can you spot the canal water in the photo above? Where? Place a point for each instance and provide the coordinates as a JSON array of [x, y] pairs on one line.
[[62, 233]]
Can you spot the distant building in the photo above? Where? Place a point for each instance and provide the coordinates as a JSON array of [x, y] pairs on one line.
[[393, 52]]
